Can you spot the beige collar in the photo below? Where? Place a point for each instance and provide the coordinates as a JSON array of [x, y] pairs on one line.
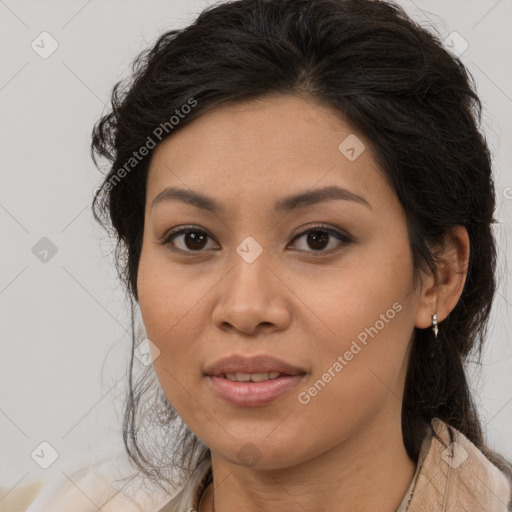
[[457, 477]]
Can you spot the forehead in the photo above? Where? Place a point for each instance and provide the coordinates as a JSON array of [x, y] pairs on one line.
[[260, 146]]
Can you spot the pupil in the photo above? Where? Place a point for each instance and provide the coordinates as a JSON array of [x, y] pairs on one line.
[[317, 237], [194, 237]]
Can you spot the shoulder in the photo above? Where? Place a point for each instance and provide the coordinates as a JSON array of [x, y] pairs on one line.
[[19, 497], [109, 484], [456, 473]]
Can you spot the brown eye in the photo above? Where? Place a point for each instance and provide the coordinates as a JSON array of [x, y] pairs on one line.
[[190, 240], [317, 239]]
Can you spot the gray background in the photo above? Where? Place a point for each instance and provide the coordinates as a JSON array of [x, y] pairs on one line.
[[64, 324]]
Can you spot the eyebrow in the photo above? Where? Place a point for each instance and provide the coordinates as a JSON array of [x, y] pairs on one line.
[[286, 204]]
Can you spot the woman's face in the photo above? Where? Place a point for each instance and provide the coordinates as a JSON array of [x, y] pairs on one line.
[[324, 285]]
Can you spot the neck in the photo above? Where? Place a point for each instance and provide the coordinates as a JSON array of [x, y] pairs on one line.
[[370, 471]]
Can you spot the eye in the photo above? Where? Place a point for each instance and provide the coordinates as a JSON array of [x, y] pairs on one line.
[[191, 239], [317, 237]]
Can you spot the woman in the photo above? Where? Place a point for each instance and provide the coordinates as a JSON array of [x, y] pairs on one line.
[[303, 204]]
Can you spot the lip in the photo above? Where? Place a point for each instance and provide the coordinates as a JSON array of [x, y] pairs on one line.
[[253, 364], [252, 394]]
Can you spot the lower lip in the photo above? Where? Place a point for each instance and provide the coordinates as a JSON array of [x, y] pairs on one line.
[[253, 393]]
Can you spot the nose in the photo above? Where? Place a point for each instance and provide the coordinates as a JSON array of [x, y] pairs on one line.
[[251, 298]]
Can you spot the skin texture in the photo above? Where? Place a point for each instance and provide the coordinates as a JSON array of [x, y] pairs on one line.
[[343, 450]]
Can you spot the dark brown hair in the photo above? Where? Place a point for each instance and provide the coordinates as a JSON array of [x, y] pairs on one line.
[[396, 85]]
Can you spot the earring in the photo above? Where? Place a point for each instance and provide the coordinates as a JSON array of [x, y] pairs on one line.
[[434, 325]]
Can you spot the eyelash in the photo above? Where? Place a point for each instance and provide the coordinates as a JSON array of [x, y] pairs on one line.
[[344, 239]]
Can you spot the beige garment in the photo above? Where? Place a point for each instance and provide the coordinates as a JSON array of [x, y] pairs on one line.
[[457, 477], [404, 504], [20, 497], [451, 476], [107, 484]]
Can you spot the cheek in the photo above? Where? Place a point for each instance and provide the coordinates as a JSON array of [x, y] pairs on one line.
[[173, 308], [167, 297], [367, 322], [368, 293]]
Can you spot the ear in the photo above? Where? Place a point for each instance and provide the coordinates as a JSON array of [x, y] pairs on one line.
[[441, 291]]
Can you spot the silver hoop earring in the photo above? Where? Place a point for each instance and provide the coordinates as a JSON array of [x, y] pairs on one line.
[[434, 325]]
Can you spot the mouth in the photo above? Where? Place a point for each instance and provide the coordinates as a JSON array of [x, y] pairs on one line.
[[252, 381], [252, 377]]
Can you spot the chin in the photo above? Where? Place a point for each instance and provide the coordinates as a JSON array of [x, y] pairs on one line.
[[257, 454]]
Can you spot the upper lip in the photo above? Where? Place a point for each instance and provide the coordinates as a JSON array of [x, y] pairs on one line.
[[253, 364]]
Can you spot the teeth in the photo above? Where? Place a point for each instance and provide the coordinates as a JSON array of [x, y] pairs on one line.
[[254, 377], [258, 377]]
